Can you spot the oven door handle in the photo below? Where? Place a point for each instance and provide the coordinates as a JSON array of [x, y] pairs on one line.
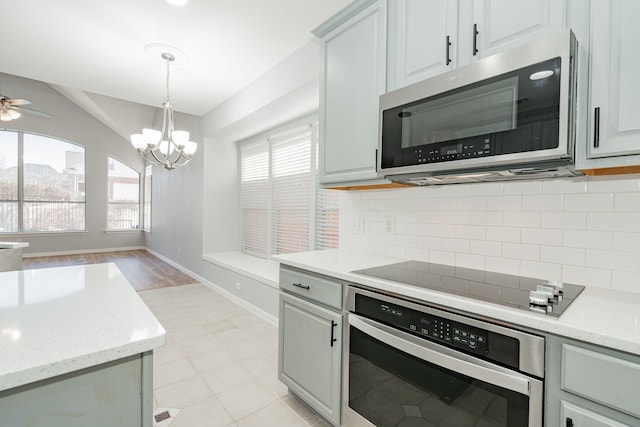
[[446, 357]]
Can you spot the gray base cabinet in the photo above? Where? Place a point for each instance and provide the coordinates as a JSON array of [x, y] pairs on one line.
[[591, 386], [309, 362], [117, 393]]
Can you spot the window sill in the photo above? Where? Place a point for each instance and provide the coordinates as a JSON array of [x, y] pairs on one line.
[[262, 270], [137, 230], [44, 233]]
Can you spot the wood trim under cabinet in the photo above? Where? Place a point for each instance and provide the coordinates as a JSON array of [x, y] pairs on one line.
[[371, 187], [621, 170]]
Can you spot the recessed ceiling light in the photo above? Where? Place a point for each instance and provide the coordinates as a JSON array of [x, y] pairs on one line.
[[178, 2]]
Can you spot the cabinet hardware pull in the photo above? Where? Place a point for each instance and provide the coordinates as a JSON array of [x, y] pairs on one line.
[[300, 285], [475, 39], [569, 422], [596, 128], [447, 46], [333, 326]]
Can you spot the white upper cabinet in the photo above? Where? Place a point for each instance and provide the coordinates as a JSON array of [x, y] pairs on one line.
[[614, 131], [422, 40], [498, 25], [352, 77], [428, 37]]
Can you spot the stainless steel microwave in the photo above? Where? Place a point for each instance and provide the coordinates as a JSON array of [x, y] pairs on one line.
[[507, 116]]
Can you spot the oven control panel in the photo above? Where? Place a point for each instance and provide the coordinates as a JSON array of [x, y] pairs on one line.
[[455, 334]]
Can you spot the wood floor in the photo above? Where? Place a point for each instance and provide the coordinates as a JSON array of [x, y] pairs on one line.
[[142, 269]]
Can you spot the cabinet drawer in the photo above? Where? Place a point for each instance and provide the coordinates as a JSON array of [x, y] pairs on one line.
[[319, 289], [602, 378], [581, 417]]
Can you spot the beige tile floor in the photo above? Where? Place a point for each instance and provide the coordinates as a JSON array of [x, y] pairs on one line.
[[219, 366]]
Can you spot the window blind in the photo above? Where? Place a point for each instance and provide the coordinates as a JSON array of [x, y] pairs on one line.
[[292, 194], [282, 207], [254, 199]]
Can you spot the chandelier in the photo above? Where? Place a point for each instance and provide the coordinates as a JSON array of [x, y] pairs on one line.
[[168, 147]]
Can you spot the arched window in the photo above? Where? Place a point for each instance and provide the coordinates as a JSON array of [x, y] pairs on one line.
[[42, 184], [123, 204]]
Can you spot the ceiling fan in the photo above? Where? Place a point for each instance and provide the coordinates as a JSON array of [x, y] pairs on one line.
[[11, 109]]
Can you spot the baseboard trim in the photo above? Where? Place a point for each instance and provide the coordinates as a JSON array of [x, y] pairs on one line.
[[83, 251], [233, 298]]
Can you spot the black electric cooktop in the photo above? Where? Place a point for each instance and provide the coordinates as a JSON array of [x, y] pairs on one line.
[[548, 297]]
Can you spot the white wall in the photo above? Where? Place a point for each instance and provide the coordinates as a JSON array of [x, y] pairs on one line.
[[584, 230], [71, 123]]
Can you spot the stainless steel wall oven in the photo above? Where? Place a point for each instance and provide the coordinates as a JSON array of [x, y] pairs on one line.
[[409, 364]]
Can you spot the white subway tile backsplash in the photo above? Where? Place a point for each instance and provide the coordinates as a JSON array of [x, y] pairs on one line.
[[625, 281], [521, 219], [599, 202], [626, 242], [568, 220], [504, 203], [443, 230], [503, 234], [583, 230], [543, 203], [471, 232], [520, 251], [565, 186], [542, 236], [488, 189], [470, 261], [587, 239], [486, 218], [503, 265], [483, 247], [620, 184], [472, 203], [456, 217], [540, 270], [455, 245], [626, 202], [619, 261], [563, 255], [523, 187], [430, 242], [442, 257], [587, 276], [629, 222]]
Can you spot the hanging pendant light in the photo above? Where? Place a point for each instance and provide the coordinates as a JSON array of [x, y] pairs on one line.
[[168, 147]]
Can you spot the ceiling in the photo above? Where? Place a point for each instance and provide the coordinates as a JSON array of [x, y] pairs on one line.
[[99, 46]]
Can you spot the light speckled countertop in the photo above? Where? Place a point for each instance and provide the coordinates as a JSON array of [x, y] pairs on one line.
[[599, 316], [59, 320]]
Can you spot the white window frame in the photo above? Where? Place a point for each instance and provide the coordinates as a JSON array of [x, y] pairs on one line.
[[21, 200], [116, 203]]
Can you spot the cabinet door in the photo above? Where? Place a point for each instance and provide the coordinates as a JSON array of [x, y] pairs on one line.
[[503, 24], [418, 31], [576, 416], [615, 87], [352, 77], [309, 357]]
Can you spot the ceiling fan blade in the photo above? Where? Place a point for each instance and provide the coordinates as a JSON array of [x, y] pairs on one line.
[[33, 112], [18, 101]]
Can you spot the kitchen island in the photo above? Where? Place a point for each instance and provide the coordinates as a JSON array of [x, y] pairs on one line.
[[75, 348]]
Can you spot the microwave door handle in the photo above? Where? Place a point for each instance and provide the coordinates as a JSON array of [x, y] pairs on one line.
[[443, 356]]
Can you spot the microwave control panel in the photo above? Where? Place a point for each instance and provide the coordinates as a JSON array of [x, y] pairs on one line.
[[478, 147]]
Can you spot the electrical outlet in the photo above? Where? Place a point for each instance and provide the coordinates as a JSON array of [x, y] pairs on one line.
[[357, 225], [238, 286], [389, 224]]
